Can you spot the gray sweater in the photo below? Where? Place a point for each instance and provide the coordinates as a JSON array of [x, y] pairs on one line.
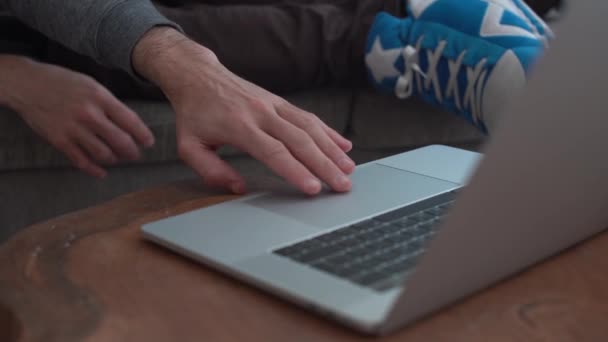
[[106, 30]]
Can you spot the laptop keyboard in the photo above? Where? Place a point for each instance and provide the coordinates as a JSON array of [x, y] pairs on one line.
[[378, 253]]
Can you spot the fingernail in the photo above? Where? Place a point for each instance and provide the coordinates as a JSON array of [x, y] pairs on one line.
[[238, 188], [312, 186], [342, 182], [349, 145]]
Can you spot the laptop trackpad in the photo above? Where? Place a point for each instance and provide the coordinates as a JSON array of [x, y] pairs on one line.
[[376, 188]]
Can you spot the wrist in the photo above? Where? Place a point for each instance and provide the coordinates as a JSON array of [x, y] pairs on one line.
[[13, 71], [167, 58]]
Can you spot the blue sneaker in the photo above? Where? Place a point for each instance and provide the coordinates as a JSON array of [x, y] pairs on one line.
[[467, 56]]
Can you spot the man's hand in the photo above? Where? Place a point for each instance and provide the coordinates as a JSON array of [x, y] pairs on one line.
[[215, 107], [74, 113]]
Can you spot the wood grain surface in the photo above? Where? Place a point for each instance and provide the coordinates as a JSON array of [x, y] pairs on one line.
[[89, 276]]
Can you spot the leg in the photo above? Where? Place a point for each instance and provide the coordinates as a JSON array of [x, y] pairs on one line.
[[467, 56], [286, 46], [281, 45]]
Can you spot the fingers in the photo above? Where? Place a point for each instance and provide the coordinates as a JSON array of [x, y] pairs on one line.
[[329, 141], [81, 160], [214, 171], [128, 121], [344, 144], [305, 149], [277, 157], [118, 140], [96, 148]]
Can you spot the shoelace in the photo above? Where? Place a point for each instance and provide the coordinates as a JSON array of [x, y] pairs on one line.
[[475, 78]]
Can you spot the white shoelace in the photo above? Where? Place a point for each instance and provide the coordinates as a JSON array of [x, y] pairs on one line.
[[475, 78]]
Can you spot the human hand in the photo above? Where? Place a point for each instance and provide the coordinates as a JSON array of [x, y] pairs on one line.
[[74, 113], [215, 107]]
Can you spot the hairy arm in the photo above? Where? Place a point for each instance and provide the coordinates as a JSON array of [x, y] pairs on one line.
[[105, 30], [215, 107]]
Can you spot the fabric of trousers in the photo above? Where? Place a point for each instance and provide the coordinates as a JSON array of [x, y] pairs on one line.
[[281, 45]]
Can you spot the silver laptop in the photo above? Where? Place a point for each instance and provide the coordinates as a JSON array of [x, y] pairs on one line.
[[411, 237]]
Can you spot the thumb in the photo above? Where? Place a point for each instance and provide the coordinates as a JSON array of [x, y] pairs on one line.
[[214, 171]]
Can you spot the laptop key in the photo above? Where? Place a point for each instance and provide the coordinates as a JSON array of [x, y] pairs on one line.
[[423, 216], [405, 222], [289, 250], [403, 236], [393, 215], [367, 224], [436, 211], [344, 245], [424, 227], [315, 255], [368, 278], [340, 271], [336, 236], [387, 229], [353, 230], [413, 246], [340, 259], [378, 252], [312, 244], [390, 282]]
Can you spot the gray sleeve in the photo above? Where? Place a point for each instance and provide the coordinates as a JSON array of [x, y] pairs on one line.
[[106, 30]]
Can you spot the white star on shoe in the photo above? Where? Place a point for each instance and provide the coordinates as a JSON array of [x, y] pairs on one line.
[[381, 62]]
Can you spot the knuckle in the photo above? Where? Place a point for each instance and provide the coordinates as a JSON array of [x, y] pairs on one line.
[[282, 103], [98, 92], [60, 142], [121, 142], [309, 120], [184, 149], [86, 115], [72, 129], [259, 105], [301, 140], [104, 154], [127, 115], [243, 126], [126, 142], [328, 164], [274, 150], [213, 177], [95, 89], [80, 163], [87, 80], [244, 130], [326, 143]]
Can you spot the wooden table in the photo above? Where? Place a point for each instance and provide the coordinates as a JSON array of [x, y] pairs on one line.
[[89, 276]]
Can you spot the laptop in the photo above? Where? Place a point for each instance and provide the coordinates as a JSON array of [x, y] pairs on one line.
[[423, 229]]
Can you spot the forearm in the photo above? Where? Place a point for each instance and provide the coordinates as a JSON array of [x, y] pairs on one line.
[[12, 70], [104, 30]]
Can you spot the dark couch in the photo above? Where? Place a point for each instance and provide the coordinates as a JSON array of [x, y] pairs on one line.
[[37, 182]]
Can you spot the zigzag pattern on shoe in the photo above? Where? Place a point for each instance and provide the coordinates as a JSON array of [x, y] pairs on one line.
[[467, 56]]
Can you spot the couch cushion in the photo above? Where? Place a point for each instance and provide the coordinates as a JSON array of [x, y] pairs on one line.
[[21, 148], [382, 121]]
